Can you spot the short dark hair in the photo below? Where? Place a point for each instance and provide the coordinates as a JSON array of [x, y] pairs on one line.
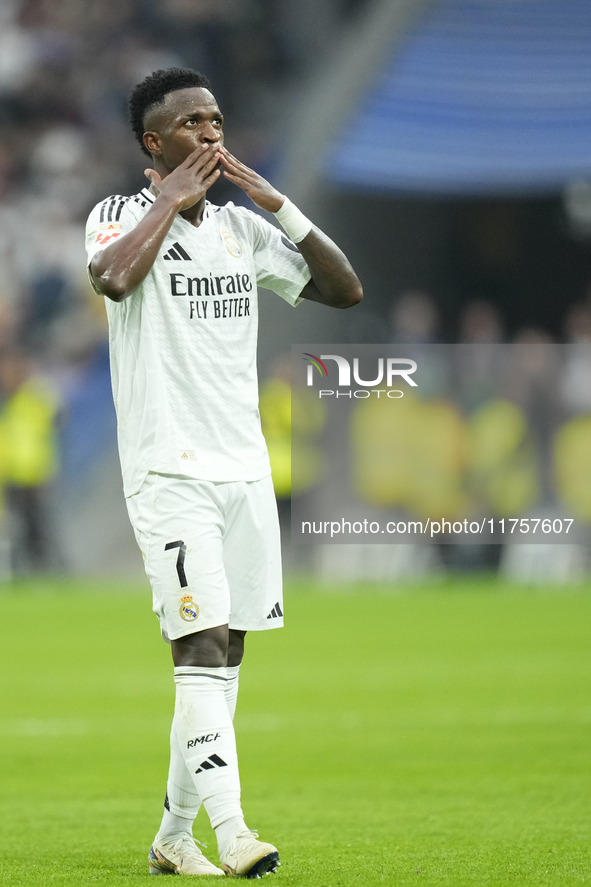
[[152, 90]]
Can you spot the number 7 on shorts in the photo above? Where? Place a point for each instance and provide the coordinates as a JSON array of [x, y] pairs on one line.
[[180, 561]]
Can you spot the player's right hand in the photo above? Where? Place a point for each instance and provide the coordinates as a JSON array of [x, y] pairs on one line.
[[188, 183]]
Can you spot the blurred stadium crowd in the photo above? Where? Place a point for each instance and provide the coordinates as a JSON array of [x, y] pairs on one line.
[[493, 431], [549, 385], [66, 69]]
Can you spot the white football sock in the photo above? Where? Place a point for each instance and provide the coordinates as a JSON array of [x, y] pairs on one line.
[[182, 801], [226, 831], [172, 826], [232, 689], [206, 738]]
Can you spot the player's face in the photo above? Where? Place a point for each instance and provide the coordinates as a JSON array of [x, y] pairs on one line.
[[186, 119]]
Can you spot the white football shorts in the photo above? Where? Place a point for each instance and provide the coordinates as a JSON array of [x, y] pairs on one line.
[[212, 553]]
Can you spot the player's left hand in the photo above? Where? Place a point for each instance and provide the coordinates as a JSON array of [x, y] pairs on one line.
[[258, 189]]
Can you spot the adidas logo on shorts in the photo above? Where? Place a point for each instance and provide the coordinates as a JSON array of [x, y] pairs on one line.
[[275, 612]]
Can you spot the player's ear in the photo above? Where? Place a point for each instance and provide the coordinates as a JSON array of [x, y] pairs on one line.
[[152, 143]]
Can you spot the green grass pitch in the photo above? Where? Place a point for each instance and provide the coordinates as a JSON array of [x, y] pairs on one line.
[[435, 736]]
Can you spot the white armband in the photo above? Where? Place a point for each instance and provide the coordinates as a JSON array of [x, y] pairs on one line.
[[294, 223]]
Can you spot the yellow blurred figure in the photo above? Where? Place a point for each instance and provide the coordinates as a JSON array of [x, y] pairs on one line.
[[28, 460], [572, 466], [423, 455], [275, 409], [27, 438], [503, 463], [290, 422], [410, 453]]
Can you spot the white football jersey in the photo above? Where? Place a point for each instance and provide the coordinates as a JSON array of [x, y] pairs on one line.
[[183, 344]]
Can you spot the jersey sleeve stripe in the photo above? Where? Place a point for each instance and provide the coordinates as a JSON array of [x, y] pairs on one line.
[[107, 207], [111, 208], [122, 203]]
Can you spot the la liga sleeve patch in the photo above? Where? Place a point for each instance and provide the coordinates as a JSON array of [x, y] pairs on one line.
[[108, 232]]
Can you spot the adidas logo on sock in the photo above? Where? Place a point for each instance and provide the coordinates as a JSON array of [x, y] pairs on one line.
[[275, 612], [210, 763], [178, 253]]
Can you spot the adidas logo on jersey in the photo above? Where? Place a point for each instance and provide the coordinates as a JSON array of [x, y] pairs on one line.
[[275, 612], [178, 253], [211, 762]]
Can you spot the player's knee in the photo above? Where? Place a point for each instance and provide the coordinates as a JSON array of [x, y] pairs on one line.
[[207, 648]]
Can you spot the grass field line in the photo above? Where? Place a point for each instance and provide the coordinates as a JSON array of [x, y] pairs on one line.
[[440, 739], [272, 722]]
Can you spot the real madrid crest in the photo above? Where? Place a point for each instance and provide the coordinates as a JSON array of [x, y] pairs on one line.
[[189, 610], [231, 243]]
